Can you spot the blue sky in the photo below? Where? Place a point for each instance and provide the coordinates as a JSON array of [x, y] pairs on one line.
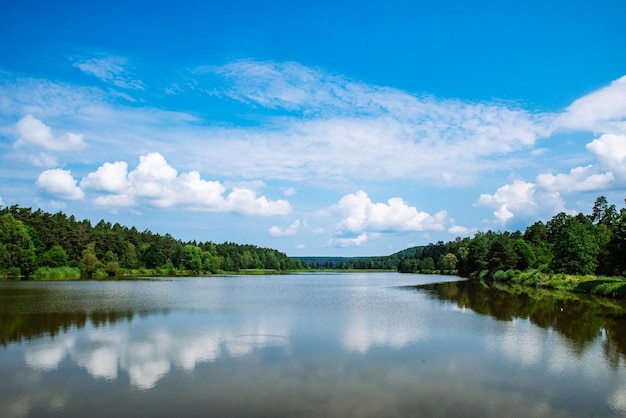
[[316, 128]]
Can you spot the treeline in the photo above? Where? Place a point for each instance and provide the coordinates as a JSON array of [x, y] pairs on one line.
[[593, 244], [34, 241], [350, 263]]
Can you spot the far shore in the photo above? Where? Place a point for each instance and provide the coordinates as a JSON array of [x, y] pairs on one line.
[[613, 287]]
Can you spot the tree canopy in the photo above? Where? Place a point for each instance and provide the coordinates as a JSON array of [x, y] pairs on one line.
[[571, 244], [34, 239]]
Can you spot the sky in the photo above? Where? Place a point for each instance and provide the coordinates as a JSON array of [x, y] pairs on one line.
[[343, 128]]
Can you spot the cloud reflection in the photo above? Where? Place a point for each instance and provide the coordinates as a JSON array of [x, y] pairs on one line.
[[147, 355], [366, 327], [48, 356]]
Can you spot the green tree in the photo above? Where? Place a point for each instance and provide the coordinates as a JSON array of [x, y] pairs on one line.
[[89, 263], [478, 250], [575, 246], [17, 252], [129, 256], [599, 209], [427, 264], [524, 253], [192, 258], [111, 264], [54, 257], [604, 237], [408, 265], [152, 256], [449, 262], [618, 245], [501, 255], [271, 262]]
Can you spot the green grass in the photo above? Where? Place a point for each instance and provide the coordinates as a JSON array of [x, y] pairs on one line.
[[614, 287], [57, 273]]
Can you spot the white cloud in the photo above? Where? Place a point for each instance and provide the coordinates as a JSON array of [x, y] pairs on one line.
[[246, 201], [610, 153], [388, 133], [59, 184], [41, 159], [603, 110], [115, 201], [579, 179], [290, 192], [110, 178], [110, 69], [459, 230], [276, 231], [521, 199], [151, 178], [609, 170], [33, 131], [1, 202], [157, 183], [352, 241], [363, 215]]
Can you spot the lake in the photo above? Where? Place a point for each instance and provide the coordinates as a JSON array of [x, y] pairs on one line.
[[308, 345]]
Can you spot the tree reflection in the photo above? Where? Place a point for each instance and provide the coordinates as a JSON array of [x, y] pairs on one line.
[[581, 319], [27, 313], [15, 328]]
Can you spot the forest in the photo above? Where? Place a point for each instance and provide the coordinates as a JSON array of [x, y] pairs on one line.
[[590, 245], [41, 244]]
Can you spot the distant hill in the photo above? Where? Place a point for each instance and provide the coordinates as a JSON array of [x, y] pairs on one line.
[[386, 262]]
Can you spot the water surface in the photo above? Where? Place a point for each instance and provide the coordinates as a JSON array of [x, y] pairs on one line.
[[307, 345]]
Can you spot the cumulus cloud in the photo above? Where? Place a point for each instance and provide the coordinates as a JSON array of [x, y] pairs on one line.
[[579, 179], [276, 231], [520, 199], [361, 214], [32, 131], [389, 134], [159, 184], [59, 184], [603, 110], [110, 69], [610, 153], [110, 178], [607, 172]]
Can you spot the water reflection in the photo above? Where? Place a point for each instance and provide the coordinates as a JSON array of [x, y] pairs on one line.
[[146, 350], [366, 326], [582, 320], [358, 345]]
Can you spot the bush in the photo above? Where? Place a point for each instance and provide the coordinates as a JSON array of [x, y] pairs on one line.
[[500, 276]]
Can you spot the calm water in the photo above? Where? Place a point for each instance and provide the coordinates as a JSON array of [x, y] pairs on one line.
[[307, 345]]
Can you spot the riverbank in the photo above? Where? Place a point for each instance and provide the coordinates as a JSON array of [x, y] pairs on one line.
[[73, 273], [614, 287]]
